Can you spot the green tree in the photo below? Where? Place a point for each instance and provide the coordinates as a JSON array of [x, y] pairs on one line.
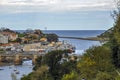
[[57, 66], [57, 63], [18, 40], [68, 66], [21, 34], [40, 74], [71, 76], [117, 78], [115, 38], [104, 76], [96, 59], [52, 37], [38, 63], [52, 59]]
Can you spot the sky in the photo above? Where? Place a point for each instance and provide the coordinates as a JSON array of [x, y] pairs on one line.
[[56, 14]]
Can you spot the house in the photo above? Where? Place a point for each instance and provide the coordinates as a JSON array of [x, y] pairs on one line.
[[11, 35], [3, 39], [43, 39]]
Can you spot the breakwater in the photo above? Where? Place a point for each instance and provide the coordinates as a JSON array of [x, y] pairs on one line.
[[87, 38]]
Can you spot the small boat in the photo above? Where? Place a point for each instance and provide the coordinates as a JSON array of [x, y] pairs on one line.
[[1, 69], [17, 72], [14, 70]]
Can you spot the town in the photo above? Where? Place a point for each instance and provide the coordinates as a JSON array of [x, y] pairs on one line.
[[30, 42]]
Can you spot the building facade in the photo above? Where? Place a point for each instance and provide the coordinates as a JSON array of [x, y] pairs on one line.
[[3, 39], [11, 35]]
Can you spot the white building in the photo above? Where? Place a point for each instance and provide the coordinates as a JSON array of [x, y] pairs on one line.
[[3, 39]]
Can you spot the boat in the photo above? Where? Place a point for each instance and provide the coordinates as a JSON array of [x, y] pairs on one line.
[[1, 69], [17, 72]]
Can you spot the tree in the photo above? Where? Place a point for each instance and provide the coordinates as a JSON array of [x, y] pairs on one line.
[[71, 76], [115, 38], [52, 37], [38, 63], [38, 31], [40, 74], [68, 66], [104, 76], [95, 60], [51, 66], [56, 66], [118, 77], [18, 40], [52, 59]]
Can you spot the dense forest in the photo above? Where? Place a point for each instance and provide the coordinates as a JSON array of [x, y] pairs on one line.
[[97, 63]]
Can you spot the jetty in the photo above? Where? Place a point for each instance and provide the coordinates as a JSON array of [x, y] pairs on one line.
[[87, 38]]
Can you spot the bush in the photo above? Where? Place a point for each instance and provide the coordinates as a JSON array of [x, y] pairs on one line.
[[96, 59], [104, 76]]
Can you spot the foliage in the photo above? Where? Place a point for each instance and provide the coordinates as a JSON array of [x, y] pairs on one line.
[[32, 37], [51, 37], [21, 35], [71, 76], [38, 63], [104, 76], [95, 64], [115, 38], [57, 67], [18, 40], [107, 33], [2, 51], [53, 60], [68, 66], [117, 78], [39, 74], [96, 59], [39, 32]]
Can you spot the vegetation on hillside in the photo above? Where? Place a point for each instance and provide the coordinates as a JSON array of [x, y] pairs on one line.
[[106, 34], [53, 66]]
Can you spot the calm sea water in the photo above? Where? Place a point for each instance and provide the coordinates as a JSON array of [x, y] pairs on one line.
[[80, 45]]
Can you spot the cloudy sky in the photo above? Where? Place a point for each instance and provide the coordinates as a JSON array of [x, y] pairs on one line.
[[56, 14]]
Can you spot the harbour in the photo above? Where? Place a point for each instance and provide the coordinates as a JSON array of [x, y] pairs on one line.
[[26, 66], [8, 72]]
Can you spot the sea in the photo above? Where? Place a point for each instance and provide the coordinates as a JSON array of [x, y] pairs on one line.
[[6, 72]]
